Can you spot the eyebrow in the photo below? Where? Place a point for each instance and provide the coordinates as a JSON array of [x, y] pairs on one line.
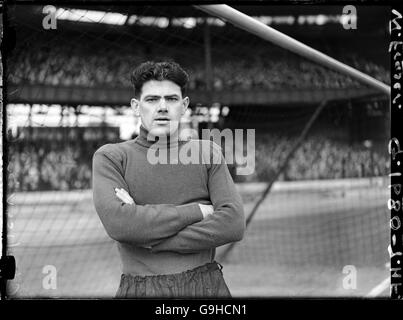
[[156, 96]]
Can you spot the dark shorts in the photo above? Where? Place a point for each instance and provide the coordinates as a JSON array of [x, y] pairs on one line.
[[206, 281]]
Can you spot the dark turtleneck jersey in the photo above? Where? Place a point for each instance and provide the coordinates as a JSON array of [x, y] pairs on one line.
[[164, 232]]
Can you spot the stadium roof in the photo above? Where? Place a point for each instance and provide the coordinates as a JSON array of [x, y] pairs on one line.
[[370, 16], [253, 10], [372, 20]]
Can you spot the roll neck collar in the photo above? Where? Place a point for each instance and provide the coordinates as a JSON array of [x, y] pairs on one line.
[[146, 140]]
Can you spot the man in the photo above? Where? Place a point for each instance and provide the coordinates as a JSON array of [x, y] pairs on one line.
[[167, 218]]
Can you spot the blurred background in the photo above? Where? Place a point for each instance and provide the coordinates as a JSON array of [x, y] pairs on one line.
[[316, 202]]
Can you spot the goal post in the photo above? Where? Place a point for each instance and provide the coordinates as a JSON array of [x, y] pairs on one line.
[[266, 32]]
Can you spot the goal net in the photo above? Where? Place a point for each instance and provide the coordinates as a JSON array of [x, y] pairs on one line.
[[69, 91]]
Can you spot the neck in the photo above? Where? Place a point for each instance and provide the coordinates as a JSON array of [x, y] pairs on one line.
[[166, 141]]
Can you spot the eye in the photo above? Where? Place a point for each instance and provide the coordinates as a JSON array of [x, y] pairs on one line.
[[151, 99], [172, 99]]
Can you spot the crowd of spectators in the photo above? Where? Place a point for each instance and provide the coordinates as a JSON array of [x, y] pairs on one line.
[[67, 167], [277, 74], [37, 167], [69, 65], [316, 158]]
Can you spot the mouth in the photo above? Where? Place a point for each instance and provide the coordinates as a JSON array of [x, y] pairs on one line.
[[161, 120]]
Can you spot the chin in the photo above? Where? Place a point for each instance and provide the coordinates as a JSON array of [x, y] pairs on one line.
[[160, 131], [163, 130]]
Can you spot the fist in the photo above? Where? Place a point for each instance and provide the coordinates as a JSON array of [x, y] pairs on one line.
[[206, 209], [123, 195]]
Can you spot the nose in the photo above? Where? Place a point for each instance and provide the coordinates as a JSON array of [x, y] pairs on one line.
[[162, 106]]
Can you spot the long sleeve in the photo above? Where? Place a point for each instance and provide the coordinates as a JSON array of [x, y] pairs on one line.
[[226, 224], [142, 225]]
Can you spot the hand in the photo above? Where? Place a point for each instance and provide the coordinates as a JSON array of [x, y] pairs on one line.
[[123, 195], [206, 210]]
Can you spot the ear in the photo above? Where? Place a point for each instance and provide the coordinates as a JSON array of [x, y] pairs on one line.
[[134, 103], [185, 102]]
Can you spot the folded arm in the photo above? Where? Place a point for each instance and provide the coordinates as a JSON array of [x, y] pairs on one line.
[[225, 225], [141, 225]]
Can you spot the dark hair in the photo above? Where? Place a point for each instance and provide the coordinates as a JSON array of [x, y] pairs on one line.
[[159, 71]]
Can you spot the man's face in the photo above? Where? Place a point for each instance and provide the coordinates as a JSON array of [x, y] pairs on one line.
[[160, 107]]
